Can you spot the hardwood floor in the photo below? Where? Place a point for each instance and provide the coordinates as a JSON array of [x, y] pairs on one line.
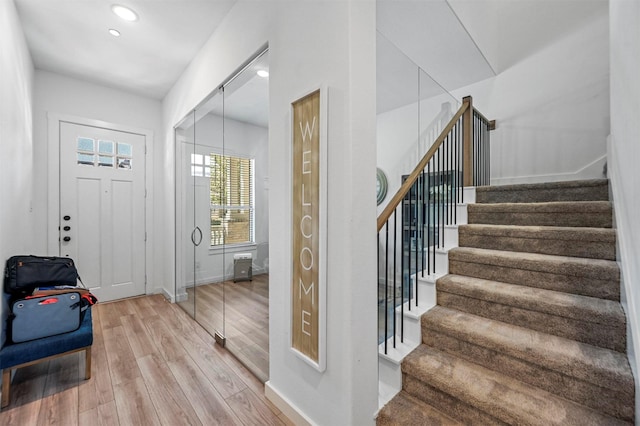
[[152, 365], [246, 322]]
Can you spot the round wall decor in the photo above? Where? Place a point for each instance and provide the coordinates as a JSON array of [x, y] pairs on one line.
[[381, 185]]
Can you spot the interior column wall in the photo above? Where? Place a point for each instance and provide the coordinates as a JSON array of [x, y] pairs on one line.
[[310, 44]]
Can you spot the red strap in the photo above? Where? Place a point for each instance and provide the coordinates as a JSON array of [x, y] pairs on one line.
[[49, 301]]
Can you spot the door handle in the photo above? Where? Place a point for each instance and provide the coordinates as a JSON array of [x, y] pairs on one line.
[[200, 239], [193, 236]]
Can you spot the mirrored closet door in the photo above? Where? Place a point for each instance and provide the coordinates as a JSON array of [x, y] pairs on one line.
[[222, 236]]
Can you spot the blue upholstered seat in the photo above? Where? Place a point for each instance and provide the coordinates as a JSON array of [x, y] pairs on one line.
[[15, 355]]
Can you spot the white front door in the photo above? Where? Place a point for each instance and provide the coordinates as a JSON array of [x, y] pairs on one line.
[[102, 208]]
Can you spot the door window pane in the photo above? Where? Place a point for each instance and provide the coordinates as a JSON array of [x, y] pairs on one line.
[[106, 147], [124, 163], [124, 149], [105, 161], [86, 144], [86, 159]]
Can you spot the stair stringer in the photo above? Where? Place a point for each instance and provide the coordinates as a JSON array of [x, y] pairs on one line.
[[389, 364]]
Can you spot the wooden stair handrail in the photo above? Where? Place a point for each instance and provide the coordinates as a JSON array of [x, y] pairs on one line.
[[406, 186]]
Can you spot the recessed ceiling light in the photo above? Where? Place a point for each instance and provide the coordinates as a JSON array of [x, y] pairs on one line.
[[124, 12], [263, 73], [114, 33]]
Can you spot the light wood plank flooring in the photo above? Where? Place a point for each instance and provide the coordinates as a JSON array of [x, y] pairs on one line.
[[246, 325], [152, 365]]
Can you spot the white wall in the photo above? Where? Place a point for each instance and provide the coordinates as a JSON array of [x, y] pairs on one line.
[[624, 157], [311, 43], [57, 94], [551, 108], [16, 140]]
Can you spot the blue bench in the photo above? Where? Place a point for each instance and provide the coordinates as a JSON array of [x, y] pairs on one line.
[[18, 355]]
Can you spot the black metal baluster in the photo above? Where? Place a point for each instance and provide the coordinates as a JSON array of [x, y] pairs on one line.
[[452, 148], [433, 217], [386, 287], [395, 233], [488, 156], [442, 206], [414, 216], [402, 263], [422, 214], [462, 156], [456, 177], [475, 150]]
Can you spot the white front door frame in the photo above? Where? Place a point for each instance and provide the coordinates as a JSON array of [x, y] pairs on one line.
[[53, 184]]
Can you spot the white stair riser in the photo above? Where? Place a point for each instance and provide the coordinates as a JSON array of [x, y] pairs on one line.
[[412, 328], [390, 380], [461, 214], [468, 196], [451, 236], [426, 290], [426, 294]]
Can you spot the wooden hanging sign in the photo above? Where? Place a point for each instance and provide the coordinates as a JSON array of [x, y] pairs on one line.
[[308, 335]]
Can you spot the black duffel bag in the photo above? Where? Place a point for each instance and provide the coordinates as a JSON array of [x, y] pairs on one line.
[[24, 273]]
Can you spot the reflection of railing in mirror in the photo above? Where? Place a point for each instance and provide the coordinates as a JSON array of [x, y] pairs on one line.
[[427, 136]]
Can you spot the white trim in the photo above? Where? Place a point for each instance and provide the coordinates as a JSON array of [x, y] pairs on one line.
[[164, 293], [292, 412], [321, 365], [589, 171], [53, 184]]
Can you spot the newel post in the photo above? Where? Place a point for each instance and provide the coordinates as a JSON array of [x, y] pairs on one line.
[[467, 142]]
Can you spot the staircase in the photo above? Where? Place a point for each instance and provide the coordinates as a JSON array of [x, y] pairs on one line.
[[528, 328]]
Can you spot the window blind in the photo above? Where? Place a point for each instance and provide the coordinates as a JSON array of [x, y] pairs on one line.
[[232, 210]]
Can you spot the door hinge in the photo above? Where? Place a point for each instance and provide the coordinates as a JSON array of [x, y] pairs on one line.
[[145, 193], [145, 236], [145, 150]]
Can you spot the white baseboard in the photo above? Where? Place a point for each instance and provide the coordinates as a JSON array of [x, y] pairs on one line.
[[593, 170], [165, 293], [287, 407]]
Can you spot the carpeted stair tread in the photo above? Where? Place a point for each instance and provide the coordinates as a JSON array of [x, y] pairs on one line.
[[596, 321], [597, 243], [578, 190], [585, 308], [601, 367], [503, 397], [588, 277], [596, 214], [404, 409], [529, 329]]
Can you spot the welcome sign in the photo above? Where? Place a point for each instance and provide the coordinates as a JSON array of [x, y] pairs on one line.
[[309, 233]]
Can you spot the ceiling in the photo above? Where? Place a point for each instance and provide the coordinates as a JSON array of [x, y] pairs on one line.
[[246, 96], [461, 42], [71, 37]]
